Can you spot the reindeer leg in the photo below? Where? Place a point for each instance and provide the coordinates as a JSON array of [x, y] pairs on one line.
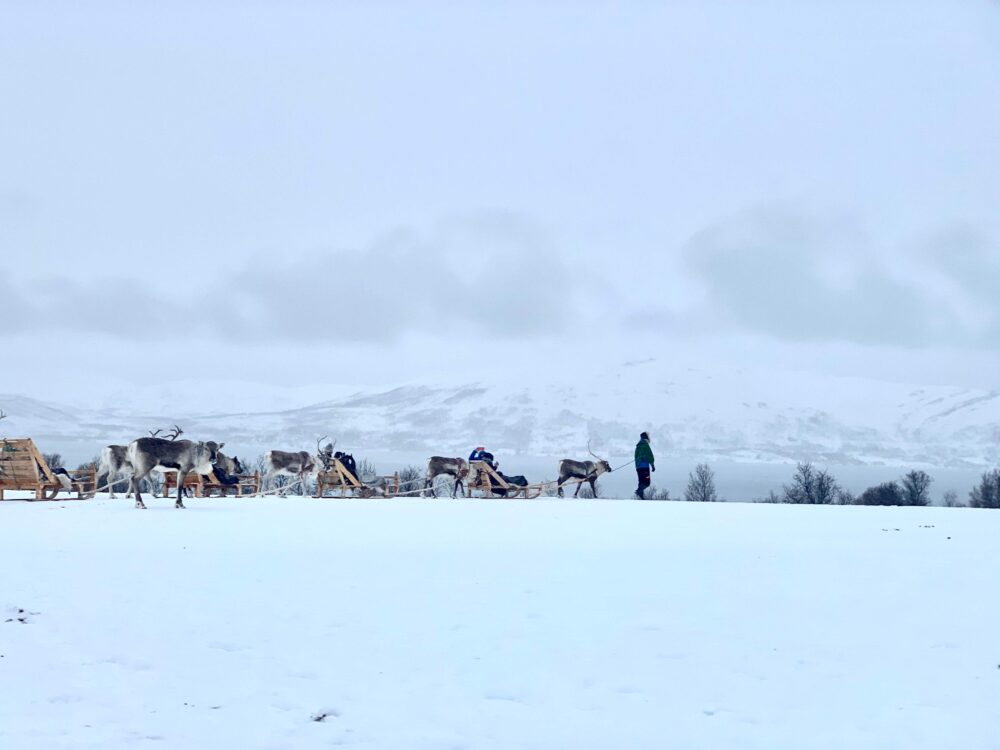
[[181, 476], [593, 487], [134, 489]]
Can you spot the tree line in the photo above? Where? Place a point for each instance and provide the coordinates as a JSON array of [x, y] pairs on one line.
[[812, 486]]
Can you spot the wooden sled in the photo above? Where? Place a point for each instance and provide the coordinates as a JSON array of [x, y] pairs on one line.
[[22, 467], [210, 486], [483, 477], [339, 478]]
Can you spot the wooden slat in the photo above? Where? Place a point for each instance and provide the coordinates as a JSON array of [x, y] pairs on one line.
[[19, 462]]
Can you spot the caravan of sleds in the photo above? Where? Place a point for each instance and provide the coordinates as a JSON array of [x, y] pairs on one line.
[[202, 468]]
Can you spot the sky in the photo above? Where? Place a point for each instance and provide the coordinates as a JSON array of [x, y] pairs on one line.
[[376, 193]]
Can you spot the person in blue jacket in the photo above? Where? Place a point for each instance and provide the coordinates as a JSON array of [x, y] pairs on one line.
[[644, 463]]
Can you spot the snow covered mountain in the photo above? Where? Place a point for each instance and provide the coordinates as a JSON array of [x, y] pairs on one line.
[[752, 416]]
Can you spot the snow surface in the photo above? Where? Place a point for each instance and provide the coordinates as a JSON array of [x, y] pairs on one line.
[[497, 624]]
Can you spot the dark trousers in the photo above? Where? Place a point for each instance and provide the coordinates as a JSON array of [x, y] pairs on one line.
[[643, 481]]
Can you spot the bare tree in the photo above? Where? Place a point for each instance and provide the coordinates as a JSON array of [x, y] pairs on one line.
[[887, 493], [811, 487], [916, 488], [366, 469], [54, 460], [950, 500], [652, 493], [411, 478], [846, 497], [93, 463], [987, 494], [701, 485], [771, 497]]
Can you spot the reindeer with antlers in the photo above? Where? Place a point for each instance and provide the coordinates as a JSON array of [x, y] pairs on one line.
[[163, 454], [584, 471], [300, 464], [114, 461]]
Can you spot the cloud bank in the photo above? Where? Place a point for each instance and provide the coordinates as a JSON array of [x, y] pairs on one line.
[[799, 278], [492, 274]]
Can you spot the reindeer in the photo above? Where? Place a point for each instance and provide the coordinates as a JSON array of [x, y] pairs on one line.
[[233, 467], [587, 471], [182, 456], [438, 465], [301, 464], [114, 463]]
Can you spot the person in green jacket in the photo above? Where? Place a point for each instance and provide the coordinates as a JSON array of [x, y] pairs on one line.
[[644, 463]]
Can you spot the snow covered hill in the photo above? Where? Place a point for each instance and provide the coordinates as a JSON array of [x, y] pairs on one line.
[[426, 624], [754, 416]]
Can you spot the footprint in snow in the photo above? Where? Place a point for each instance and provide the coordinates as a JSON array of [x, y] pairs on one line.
[[230, 647], [502, 695], [19, 614], [321, 716]]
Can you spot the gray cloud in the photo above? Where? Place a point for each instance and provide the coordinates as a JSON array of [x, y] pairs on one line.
[[491, 274], [801, 279]]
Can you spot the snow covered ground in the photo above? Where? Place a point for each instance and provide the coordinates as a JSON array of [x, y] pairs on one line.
[[497, 624]]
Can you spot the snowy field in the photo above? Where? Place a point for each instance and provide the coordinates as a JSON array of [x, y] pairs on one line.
[[497, 624]]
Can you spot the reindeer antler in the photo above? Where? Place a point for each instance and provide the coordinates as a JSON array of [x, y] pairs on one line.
[[154, 434], [320, 449], [175, 433], [592, 452], [3, 414]]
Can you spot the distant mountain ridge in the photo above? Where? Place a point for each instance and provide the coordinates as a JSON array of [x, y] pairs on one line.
[[753, 416]]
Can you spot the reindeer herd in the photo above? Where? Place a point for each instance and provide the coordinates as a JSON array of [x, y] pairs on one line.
[[144, 455]]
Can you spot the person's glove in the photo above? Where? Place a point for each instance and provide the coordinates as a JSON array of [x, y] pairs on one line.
[[653, 468]]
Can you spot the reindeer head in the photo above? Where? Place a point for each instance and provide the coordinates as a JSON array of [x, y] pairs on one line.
[[325, 454], [600, 464], [230, 465], [212, 449]]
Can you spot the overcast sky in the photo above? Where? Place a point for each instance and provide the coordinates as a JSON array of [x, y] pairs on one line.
[[326, 188]]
